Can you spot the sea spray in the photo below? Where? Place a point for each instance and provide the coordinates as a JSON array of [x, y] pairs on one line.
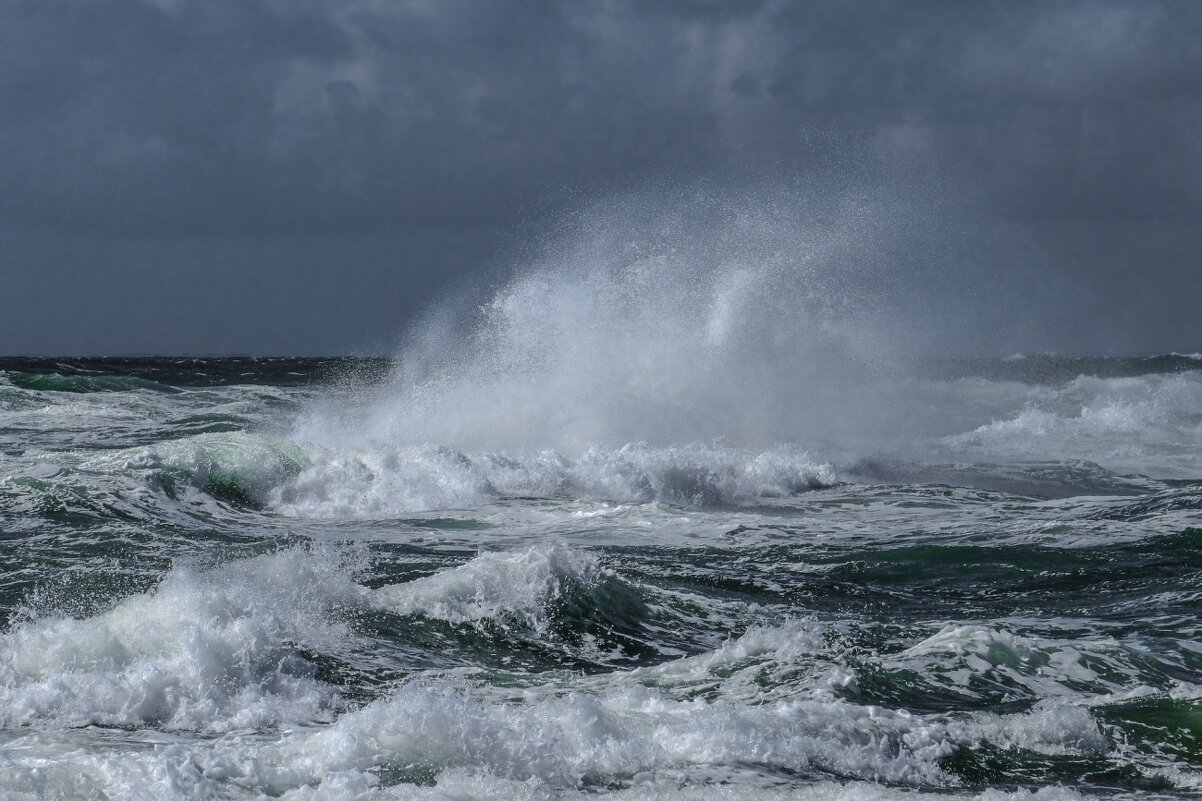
[[764, 318]]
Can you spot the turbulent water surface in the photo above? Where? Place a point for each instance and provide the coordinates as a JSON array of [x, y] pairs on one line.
[[249, 578]]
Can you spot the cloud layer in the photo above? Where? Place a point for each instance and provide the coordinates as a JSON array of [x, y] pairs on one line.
[[187, 135]]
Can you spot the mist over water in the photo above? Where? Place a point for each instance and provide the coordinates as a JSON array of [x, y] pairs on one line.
[[706, 347], [690, 315]]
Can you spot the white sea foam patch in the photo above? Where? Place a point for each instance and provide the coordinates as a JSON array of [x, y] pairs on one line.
[[796, 659], [554, 742], [667, 788], [40, 765], [696, 475], [178, 772], [800, 660], [1053, 727], [629, 733], [566, 740], [1147, 424], [384, 480], [212, 650], [519, 588], [974, 659]]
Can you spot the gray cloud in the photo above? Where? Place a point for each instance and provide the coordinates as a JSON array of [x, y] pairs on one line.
[[130, 126]]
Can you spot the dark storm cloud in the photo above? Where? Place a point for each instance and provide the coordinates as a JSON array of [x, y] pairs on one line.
[[256, 120], [250, 113]]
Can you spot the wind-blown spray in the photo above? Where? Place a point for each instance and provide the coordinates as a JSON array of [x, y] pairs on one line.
[[760, 319]]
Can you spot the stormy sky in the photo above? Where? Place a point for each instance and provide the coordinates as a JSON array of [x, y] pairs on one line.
[[305, 176]]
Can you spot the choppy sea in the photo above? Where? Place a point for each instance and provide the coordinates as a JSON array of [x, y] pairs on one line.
[[322, 579]]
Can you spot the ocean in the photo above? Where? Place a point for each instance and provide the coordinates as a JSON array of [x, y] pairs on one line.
[[323, 579]]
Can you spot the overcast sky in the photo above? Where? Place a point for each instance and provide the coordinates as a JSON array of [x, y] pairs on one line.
[[304, 176]]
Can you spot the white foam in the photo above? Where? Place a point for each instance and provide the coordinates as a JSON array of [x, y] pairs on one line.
[[382, 480], [1145, 424], [519, 587], [1052, 727], [543, 739], [554, 741], [765, 663], [972, 659], [177, 772], [985, 647], [696, 475], [206, 650], [561, 740]]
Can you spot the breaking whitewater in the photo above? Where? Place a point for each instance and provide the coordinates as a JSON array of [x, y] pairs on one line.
[[648, 522], [208, 594]]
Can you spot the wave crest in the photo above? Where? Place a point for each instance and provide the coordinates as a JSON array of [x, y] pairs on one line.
[[387, 480]]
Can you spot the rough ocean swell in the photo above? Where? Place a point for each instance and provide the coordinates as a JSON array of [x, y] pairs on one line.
[[205, 599], [615, 533]]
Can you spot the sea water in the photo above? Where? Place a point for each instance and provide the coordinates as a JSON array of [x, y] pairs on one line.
[[671, 525]]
